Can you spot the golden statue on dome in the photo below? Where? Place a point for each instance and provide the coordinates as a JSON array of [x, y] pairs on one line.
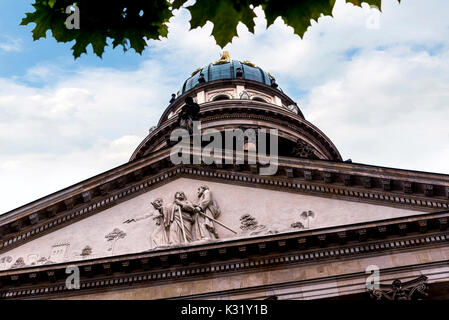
[[224, 58]]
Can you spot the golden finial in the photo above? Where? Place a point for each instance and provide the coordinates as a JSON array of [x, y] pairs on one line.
[[195, 72], [224, 58], [249, 63]]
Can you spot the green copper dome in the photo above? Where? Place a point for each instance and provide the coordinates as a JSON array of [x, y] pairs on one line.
[[227, 70]]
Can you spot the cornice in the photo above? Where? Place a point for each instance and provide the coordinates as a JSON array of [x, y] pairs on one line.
[[216, 111], [224, 258], [346, 181]]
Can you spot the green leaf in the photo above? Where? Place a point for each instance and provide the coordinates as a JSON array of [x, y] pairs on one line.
[[98, 42], [132, 23], [225, 15], [51, 3], [297, 14], [80, 47], [178, 4], [42, 18]]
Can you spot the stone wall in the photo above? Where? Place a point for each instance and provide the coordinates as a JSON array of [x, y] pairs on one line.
[[312, 281]]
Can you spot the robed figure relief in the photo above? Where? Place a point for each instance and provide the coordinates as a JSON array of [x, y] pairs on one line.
[[159, 237], [206, 211], [181, 220]]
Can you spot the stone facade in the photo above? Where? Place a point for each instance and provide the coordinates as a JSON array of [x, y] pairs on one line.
[[309, 231], [276, 209]]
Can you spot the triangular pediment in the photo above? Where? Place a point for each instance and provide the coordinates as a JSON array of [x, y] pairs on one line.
[[130, 227], [86, 220]]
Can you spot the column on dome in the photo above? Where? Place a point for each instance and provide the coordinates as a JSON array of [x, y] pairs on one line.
[[239, 89], [277, 101], [200, 97]]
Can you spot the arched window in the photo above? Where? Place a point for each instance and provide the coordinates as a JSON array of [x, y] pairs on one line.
[[221, 97], [259, 99]]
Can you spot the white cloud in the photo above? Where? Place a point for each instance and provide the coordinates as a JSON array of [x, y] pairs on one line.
[[11, 45], [388, 109], [85, 123], [380, 94], [30, 176]]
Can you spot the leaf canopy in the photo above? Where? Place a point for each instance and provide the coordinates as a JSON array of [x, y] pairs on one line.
[[131, 23]]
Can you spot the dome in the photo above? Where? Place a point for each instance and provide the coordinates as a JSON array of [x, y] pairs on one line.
[[237, 95], [231, 69]]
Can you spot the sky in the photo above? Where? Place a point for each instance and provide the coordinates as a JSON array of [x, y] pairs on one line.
[[377, 84]]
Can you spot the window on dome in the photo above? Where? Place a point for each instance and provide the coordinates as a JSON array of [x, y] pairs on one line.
[[192, 82], [221, 97], [259, 99]]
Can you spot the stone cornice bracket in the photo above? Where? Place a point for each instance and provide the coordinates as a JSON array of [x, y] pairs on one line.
[[416, 289]]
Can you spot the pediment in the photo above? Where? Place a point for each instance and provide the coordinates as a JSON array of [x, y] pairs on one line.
[[129, 226]]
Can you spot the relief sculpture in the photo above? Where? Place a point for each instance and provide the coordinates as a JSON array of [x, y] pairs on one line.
[[87, 251], [20, 263], [184, 221], [207, 210], [159, 237], [5, 262], [113, 236], [306, 216], [181, 220]]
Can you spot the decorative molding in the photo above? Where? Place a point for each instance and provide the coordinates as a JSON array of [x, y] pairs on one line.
[[415, 289], [307, 185], [120, 274], [241, 109], [228, 83], [211, 95]]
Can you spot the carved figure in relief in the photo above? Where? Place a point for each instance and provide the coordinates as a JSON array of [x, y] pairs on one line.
[[206, 211], [181, 220], [159, 237], [184, 221]]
